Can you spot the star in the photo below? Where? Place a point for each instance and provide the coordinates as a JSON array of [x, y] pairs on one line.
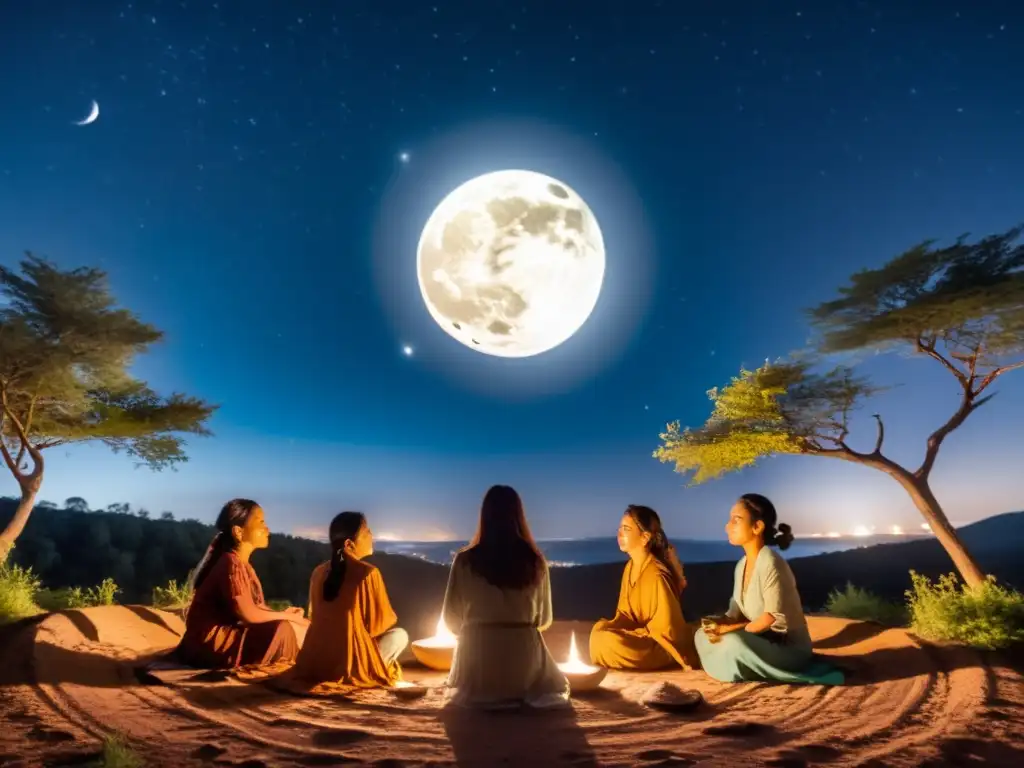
[[407, 350]]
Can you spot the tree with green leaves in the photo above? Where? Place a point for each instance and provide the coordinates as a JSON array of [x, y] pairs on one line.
[[961, 306], [76, 504], [65, 355]]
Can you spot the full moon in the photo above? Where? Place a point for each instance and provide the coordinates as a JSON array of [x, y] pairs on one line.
[[511, 263]]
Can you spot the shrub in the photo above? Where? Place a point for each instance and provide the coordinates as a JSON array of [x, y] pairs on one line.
[[103, 594], [117, 753], [988, 616], [172, 596], [76, 597], [18, 590], [856, 603]]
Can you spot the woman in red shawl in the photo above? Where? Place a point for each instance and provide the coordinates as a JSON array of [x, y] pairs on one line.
[[228, 623]]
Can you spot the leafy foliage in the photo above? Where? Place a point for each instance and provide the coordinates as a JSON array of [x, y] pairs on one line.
[[18, 588], [856, 603], [967, 297], [173, 595], [987, 616], [65, 354], [780, 408]]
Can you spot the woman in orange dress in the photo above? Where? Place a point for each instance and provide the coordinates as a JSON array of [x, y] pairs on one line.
[[648, 631], [352, 639], [228, 623]]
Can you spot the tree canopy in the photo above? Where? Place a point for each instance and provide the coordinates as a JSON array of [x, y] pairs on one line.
[[962, 305], [65, 357]]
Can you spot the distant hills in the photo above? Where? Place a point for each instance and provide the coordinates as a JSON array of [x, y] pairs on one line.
[[74, 548]]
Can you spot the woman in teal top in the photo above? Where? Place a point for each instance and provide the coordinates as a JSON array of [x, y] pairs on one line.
[[763, 636]]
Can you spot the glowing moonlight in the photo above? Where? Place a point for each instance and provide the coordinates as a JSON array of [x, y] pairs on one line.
[[511, 263]]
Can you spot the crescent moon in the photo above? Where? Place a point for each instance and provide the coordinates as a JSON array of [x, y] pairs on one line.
[[94, 114]]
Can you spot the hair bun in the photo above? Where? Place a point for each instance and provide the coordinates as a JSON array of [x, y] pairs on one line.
[[784, 537]]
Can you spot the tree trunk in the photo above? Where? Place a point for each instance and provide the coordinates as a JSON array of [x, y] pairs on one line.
[[17, 524], [931, 511]]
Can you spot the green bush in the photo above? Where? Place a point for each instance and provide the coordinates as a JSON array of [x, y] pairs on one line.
[[103, 594], [117, 753], [61, 599], [75, 597], [856, 603], [278, 605], [18, 590], [988, 616], [172, 596]]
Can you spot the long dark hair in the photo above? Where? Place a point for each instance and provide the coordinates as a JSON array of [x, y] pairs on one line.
[[235, 512], [776, 534], [503, 551], [344, 526], [658, 545]]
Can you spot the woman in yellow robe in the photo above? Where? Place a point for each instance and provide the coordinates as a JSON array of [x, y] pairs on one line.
[[352, 640], [648, 631]]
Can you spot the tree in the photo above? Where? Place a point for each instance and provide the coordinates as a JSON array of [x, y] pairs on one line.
[[76, 504], [961, 306], [143, 513], [65, 354], [120, 508], [167, 516]]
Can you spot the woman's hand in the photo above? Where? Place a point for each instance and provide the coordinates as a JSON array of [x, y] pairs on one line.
[[294, 610], [715, 631]]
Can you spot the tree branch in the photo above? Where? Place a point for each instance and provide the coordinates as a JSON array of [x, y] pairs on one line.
[[8, 459], [881, 435], [930, 350], [967, 406], [37, 458], [28, 427], [993, 375]]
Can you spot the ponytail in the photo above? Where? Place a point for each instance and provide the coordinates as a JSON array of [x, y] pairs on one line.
[[658, 545], [336, 575], [665, 553], [344, 527], [776, 534], [219, 545]]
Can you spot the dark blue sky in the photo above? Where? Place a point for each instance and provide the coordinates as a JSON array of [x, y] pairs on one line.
[[244, 188]]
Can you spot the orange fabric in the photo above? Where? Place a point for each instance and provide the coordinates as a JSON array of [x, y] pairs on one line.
[[340, 649], [214, 633]]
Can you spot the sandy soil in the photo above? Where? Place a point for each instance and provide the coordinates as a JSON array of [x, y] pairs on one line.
[[69, 678]]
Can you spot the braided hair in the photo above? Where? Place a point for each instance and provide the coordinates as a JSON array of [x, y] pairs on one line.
[[344, 527], [658, 544], [776, 534], [235, 513]]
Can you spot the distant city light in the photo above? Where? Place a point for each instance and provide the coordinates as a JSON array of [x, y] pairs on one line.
[[896, 531], [926, 527], [834, 534], [861, 530]]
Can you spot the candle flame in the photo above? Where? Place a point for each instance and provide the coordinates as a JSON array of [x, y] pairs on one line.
[[574, 664], [442, 632]]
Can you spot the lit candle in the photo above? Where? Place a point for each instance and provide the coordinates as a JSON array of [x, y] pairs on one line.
[[575, 665], [581, 677], [437, 651]]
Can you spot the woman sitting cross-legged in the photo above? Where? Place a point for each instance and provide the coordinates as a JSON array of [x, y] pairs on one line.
[[648, 631], [498, 602], [763, 636], [228, 623], [352, 638]]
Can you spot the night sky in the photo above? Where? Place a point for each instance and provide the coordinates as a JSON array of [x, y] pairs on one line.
[[260, 171]]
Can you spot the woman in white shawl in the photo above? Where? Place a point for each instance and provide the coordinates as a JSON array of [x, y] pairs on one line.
[[498, 602]]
